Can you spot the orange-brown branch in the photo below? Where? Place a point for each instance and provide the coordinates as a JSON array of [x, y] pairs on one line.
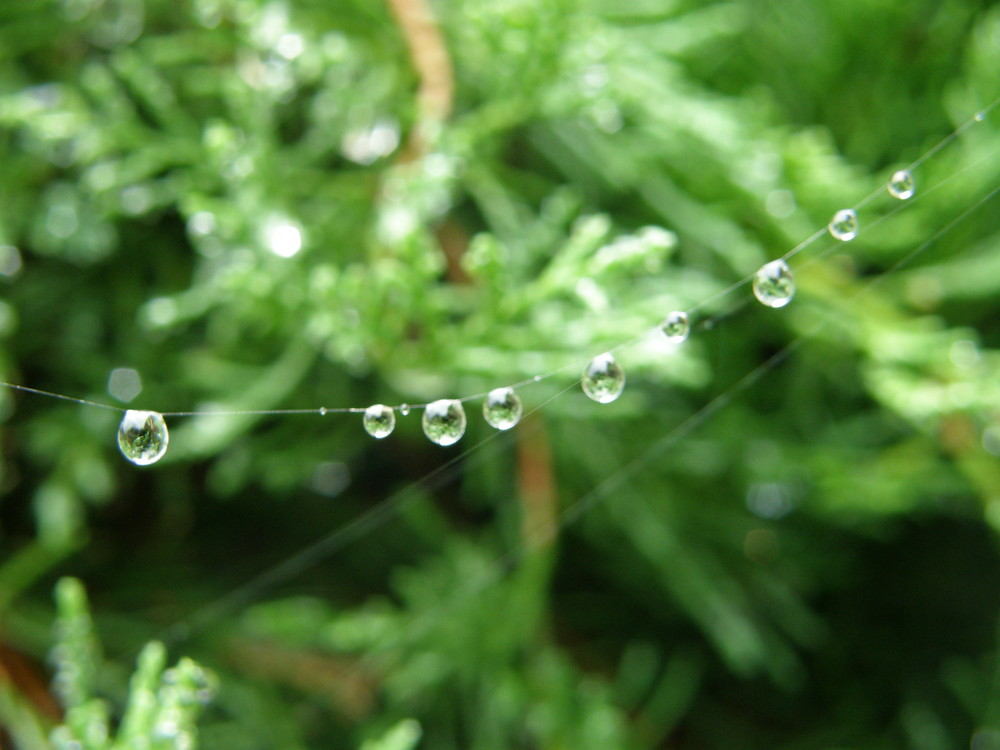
[[536, 488], [429, 56]]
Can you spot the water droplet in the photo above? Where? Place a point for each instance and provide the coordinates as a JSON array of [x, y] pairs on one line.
[[142, 437], [603, 380], [676, 327], [444, 421], [844, 225], [901, 185], [979, 117], [774, 284], [404, 409], [379, 420], [322, 411], [502, 408]]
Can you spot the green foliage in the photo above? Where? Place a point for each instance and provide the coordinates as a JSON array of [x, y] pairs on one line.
[[254, 205], [162, 706]]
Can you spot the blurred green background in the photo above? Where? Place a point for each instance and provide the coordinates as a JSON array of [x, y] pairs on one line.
[[250, 204]]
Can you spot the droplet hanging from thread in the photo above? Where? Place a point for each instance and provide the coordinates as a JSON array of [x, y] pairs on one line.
[[379, 420], [774, 284], [603, 380], [676, 327], [143, 437], [444, 421], [502, 408], [902, 185], [844, 225]]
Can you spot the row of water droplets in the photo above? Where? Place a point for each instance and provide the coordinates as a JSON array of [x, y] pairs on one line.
[[143, 435]]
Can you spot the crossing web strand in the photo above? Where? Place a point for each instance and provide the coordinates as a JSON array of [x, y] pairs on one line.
[[647, 395], [712, 320], [773, 285], [342, 536], [676, 332], [143, 437], [506, 562], [605, 387]]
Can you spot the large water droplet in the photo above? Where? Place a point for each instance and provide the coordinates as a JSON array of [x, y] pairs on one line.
[[844, 225], [774, 284], [142, 437], [444, 421], [901, 185], [604, 379], [379, 420], [676, 327], [502, 408]]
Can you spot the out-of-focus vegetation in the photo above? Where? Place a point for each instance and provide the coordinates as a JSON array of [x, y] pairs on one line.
[[250, 204]]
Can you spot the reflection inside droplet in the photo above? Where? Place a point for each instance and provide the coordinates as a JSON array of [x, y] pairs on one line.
[[444, 421], [142, 437], [604, 380], [844, 225], [774, 284]]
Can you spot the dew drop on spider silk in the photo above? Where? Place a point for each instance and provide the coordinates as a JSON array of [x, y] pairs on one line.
[[901, 185], [379, 420], [604, 379], [142, 437], [676, 327], [502, 408], [774, 284], [844, 225], [404, 409], [444, 421]]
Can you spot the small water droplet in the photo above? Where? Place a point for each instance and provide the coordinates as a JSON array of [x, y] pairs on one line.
[[774, 284], [844, 225], [322, 411], [444, 421], [901, 185], [676, 327], [537, 378], [979, 117], [142, 437], [502, 408], [379, 420], [404, 409], [603, 380]]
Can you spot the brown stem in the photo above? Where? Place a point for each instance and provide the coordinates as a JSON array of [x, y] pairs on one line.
[[536, 487], [335, 678], [430, 60]]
